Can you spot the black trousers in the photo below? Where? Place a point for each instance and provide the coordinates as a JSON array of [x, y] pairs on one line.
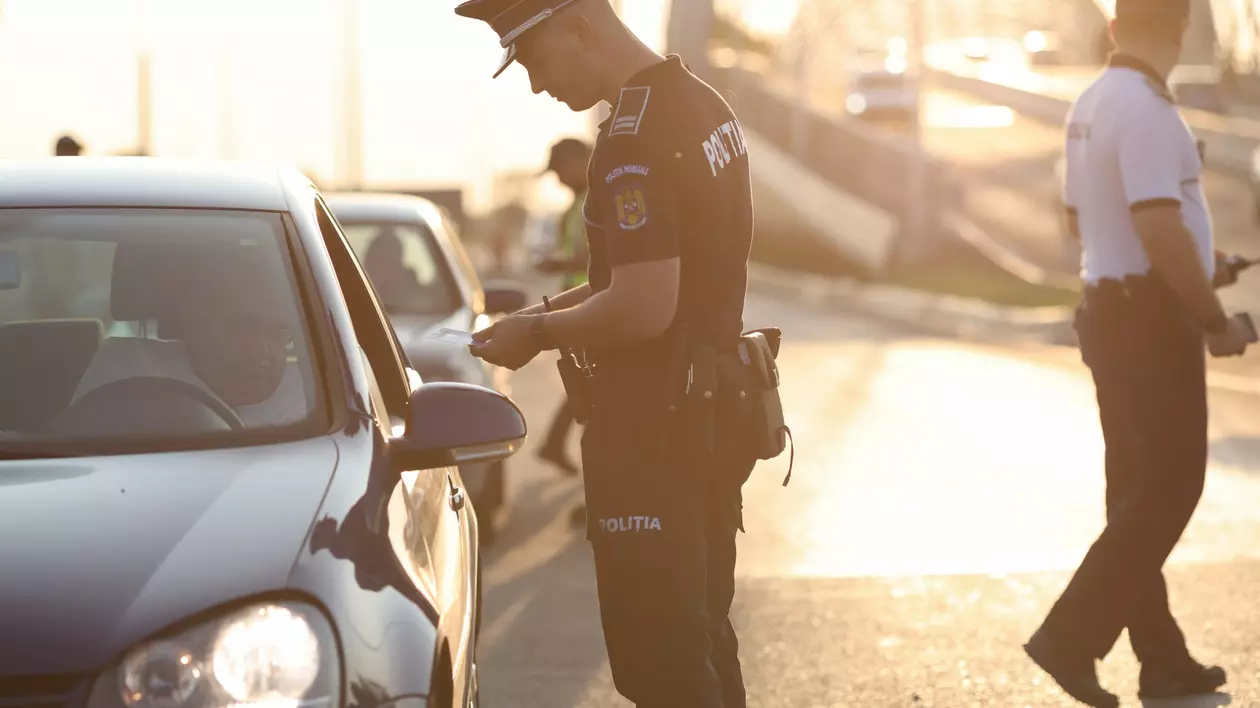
[[1147, 359], [663, 533], [561, 423]]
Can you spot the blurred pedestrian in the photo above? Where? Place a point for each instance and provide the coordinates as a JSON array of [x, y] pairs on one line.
[[67, 146], [569, 160], [1134, 198], [507, 225]]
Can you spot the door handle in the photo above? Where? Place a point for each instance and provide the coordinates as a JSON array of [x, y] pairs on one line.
[[457, 498]]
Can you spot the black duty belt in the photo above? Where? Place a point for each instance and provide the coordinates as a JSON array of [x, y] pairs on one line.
[[1131, 290]]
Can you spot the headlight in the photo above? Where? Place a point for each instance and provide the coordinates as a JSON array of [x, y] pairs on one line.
[[273, 655]]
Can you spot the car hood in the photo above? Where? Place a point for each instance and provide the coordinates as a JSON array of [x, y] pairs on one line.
[[99, 553]]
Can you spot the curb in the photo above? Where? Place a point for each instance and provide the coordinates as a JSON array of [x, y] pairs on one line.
[[945, 315]]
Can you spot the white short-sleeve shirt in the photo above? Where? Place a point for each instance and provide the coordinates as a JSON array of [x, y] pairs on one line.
[[1128, 149]]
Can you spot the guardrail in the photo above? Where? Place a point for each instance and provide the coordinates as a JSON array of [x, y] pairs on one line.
[[1230, 141], [858, 231], [872, 166]]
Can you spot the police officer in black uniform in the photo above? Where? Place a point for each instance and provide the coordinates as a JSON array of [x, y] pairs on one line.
[[669, 225]]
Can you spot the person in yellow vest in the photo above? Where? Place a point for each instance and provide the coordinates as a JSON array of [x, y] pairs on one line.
[[569, 160]]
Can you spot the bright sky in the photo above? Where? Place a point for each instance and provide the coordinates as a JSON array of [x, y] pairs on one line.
[[261, 80]]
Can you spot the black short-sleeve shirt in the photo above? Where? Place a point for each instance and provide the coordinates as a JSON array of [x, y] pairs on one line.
[[669, 178]]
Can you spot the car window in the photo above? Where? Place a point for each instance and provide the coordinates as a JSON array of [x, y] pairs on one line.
[[461, 254], [406, 266], [149, 325], [375, 335]]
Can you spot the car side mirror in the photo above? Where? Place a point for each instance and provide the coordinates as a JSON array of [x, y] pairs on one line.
[[505, 300], [451, 424]]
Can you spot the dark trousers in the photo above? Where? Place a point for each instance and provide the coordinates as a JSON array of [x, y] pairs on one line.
[[561, 423], [1147, 359], [663, 534]]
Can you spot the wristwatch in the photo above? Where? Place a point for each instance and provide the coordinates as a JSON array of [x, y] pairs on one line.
[[539, 332]]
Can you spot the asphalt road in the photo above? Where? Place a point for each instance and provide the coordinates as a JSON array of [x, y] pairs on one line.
[[942, 493]]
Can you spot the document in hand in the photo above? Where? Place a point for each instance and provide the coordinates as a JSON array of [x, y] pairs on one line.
[[452, 336]]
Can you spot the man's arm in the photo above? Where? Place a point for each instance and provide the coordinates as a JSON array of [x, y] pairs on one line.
[[638, 213], [1173, 254], [1072, 220], [639, 305], [1150, 166], [569, 298]]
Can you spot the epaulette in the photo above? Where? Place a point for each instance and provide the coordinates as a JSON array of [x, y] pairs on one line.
[[631, 106]]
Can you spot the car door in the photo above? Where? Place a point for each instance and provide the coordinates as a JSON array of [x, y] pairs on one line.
[[431, 500]]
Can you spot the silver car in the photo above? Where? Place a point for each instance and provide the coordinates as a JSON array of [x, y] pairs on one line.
[[412, 253]]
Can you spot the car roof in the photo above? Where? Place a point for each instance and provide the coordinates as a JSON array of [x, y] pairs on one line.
[[381, 206], [142, 182]]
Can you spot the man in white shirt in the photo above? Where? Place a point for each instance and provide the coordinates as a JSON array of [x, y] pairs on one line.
[[1134, 198]]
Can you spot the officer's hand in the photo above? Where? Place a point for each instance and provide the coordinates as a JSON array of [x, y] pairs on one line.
[[1225, 274], [1231, 342], [507, 343]]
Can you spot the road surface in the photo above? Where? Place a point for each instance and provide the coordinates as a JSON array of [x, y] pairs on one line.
[[942, 493]]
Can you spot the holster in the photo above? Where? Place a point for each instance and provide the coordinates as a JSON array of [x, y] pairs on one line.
[[764, 431], [731, 406], [576, 381]]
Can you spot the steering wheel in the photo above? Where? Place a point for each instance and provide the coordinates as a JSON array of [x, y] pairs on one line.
[[156, 404]]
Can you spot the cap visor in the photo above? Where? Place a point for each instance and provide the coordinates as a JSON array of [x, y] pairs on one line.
[[509, 56]]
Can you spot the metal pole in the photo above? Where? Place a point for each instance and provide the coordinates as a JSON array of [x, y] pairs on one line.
[[352, 138], [916, 208], [801, 57], [144, 79], [227, 136], [144, 107]]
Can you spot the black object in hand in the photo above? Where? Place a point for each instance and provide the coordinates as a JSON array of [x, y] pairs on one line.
[[1245, 318], [1237, 264]]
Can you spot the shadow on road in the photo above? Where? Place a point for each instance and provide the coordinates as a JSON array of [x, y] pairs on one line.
[[1214, 700]]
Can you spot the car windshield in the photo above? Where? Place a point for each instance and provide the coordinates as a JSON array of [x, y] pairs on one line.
[[130, 329], [405, 265]]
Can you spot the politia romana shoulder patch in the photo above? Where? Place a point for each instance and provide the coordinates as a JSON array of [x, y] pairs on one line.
[[631, 206]]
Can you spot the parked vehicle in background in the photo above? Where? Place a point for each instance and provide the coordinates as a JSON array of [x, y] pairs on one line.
[[425, 281], [880, 89]]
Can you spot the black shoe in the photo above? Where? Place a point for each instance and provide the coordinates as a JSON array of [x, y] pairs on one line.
[[1075, 675], [558, 458], [577, 517], [1190, 679]]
